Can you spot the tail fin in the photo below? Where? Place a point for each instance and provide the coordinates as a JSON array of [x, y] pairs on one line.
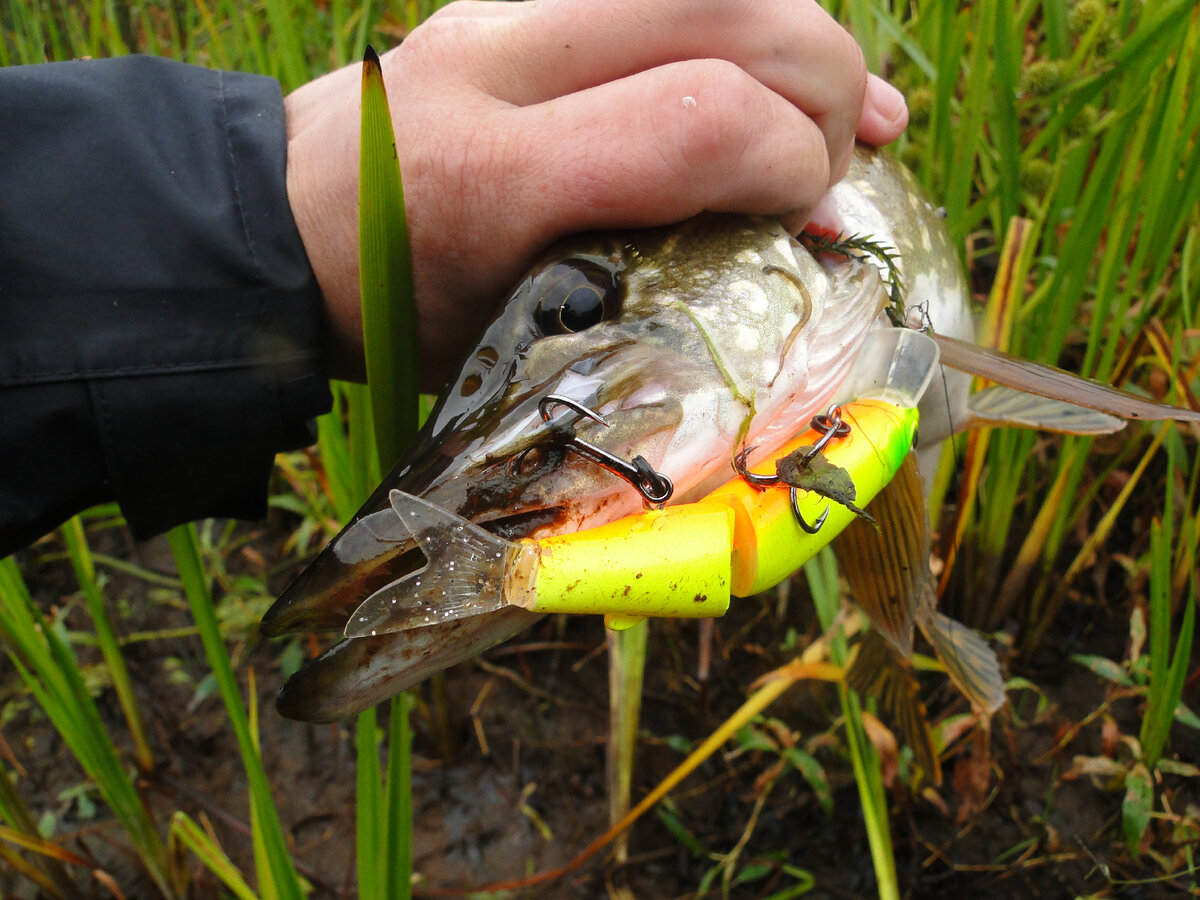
[[463, 575]]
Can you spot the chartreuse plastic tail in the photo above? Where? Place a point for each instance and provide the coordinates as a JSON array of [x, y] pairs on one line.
[[683, 561], [670, 562]]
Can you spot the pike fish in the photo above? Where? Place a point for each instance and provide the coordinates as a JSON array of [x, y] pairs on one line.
[[664, 351]]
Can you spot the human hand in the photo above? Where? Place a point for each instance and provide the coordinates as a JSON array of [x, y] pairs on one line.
[[519, 123]]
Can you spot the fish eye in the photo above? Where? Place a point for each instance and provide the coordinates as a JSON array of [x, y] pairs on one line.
[[575, 295]]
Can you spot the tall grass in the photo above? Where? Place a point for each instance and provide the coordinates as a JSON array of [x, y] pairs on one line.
[[1066, 132]]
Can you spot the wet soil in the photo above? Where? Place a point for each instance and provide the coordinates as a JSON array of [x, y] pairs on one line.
[[513, 783]]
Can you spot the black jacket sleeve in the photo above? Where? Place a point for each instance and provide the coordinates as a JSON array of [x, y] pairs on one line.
[[160, 326]]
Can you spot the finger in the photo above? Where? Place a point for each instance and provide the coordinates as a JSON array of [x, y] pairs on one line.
[[552, 48], [697, 135], [884, 114], [700, 134]]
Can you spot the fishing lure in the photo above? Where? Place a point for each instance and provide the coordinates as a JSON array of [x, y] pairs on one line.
[[683, 561]]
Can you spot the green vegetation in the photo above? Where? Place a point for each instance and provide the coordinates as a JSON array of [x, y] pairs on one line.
[[1061, 139]]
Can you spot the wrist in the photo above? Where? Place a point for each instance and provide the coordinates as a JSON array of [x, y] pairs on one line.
[[322, 189]]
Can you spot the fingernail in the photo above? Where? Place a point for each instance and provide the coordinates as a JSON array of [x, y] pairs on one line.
[[887, 101]]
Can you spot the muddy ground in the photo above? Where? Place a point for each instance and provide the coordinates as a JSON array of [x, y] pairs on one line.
[[515, 783]]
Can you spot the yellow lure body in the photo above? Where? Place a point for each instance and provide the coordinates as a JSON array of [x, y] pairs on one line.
[[686, 561]]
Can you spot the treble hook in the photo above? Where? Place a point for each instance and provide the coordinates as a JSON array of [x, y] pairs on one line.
[[794, 496], [756, 479], [830, 426], [655, 487]]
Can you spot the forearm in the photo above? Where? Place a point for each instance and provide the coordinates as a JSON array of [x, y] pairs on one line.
[[160, 327]]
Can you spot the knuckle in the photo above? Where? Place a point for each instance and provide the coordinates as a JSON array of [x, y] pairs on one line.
[[441, 36], [855, 66], [712, 116]]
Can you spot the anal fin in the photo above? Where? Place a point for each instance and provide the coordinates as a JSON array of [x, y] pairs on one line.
[[879, 671]]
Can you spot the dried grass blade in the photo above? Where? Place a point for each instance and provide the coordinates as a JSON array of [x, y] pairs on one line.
[[626, 669]]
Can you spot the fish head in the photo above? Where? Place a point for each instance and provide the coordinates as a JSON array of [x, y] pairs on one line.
[[674, 339], [680, 343]]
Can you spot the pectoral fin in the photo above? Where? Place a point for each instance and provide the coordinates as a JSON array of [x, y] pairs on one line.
[[1009, 407], [1055, 383], [888, 571]]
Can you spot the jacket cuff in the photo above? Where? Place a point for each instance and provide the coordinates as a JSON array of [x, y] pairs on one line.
[[153, 281]]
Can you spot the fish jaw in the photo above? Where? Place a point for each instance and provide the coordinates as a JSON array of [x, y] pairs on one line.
[[355, 675]]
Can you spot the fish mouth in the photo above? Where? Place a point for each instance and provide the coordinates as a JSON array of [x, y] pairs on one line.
[[366, 557], [372, 553], [513, 489]]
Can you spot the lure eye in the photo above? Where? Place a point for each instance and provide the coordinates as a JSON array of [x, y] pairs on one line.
[[576, 295]]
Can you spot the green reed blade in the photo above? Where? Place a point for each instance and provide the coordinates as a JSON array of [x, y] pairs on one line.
[[1054, 16], [965, 136], [50, 671], [364, 454], [286, 48], [365, 16], [215, 51], [1168, 669], [821, 572], [85, 571], [347, 444], [368, 811], [276, 869], [389, 340], [397, 845], [269, 53], [46, 870], [186, 833], [1156, 30], [1004, 112], [385, 275]]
